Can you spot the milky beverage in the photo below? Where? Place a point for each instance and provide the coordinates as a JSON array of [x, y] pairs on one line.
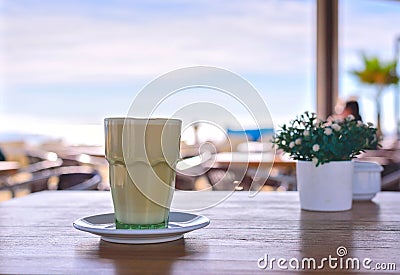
[[142, 154]]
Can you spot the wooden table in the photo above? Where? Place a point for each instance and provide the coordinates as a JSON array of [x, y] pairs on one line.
[[253, 160], [258, 166], [36, 235]]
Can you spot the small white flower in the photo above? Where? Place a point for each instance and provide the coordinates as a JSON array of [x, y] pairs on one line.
[[328, 131], [316, 122], [298, 141], [306, 133], [351, 117], [315, 161], [336, 127], [359, 123], [315, 147], [291, 144]]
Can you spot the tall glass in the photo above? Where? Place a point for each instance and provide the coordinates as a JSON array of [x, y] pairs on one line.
[[142, 156]]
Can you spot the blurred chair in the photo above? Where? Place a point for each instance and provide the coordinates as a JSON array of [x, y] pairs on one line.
[[283, 182], [189, 170], [225, 179], [70, 161], [28, 182], [185, 182], [78, 178], [38, 184], [38, 155], [42, 165], [63, 178], [391, 178]]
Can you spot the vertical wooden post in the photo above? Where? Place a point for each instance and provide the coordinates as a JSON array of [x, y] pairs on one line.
[[397, 88], [327, 56]]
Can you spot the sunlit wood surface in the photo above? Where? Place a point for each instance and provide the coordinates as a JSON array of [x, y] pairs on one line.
[[37, 237], [252, 160]]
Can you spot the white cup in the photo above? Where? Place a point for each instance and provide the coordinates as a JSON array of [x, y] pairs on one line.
[[366, 180]]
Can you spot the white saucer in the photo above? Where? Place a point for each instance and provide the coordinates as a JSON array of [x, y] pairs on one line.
[[104, 226]]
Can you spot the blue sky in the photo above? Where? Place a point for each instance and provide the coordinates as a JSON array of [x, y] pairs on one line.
[[77, 62]]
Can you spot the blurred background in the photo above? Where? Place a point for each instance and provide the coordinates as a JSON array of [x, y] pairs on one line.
[[66, 65]]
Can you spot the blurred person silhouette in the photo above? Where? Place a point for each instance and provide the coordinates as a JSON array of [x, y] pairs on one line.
[[350, 108]]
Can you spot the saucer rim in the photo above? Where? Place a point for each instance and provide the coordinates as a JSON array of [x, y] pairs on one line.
[[202, 221]]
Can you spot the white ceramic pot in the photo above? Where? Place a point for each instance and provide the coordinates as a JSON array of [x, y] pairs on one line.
[[366, 180], [328, 187]]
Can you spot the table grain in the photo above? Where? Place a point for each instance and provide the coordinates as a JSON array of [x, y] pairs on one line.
[[37, 237]]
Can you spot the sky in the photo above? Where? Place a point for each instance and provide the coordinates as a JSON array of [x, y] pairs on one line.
[[69, 63]]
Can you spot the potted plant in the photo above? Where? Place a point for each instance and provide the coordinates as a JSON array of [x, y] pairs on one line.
[[324, 150]]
